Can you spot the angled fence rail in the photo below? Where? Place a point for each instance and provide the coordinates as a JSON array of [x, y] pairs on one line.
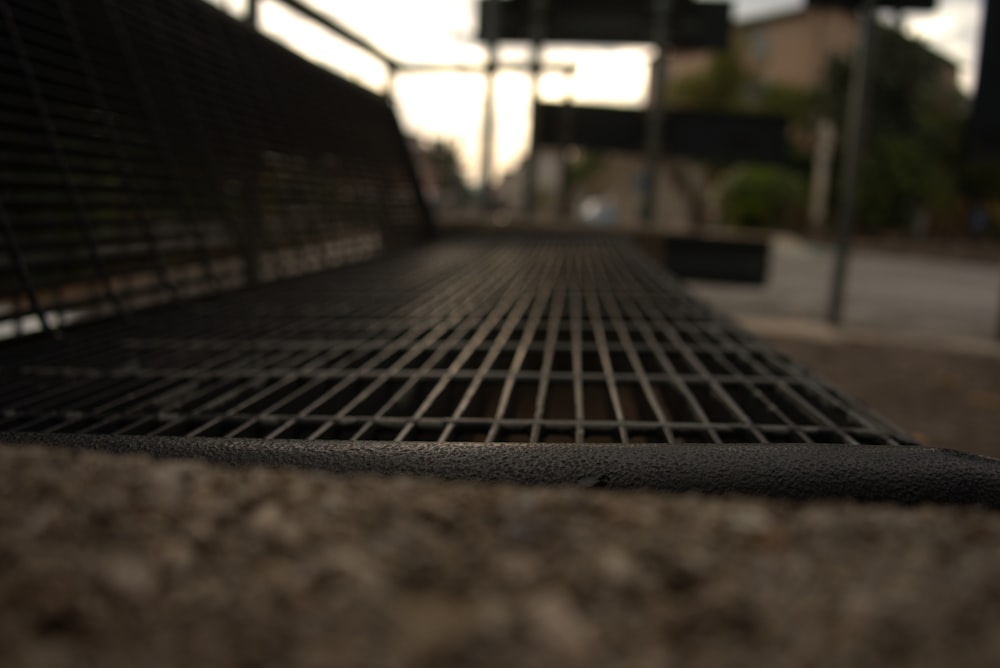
[[154, 151]]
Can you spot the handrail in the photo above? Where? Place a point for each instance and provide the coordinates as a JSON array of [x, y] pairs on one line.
[[483, 69], [392, 63], [347, 34]]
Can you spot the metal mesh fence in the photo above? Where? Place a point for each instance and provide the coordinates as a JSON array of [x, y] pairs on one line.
[[523, 339], [156, 150]]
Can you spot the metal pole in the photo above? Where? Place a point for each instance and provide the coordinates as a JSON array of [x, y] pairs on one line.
[[418, 68], [538, 11], [390, 83], [566, 133], [350, 36], [251, 18], [493, 29], [853, 137], [998, 323], [824, 157], [655, 116]]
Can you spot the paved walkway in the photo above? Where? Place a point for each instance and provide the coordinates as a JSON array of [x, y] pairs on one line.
[[916, 295]]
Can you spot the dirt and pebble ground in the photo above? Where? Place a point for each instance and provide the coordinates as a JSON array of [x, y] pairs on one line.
[[125, 561], [946, 399]]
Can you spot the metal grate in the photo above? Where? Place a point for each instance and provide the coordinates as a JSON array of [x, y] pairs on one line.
[[506, 339], [155, 150]]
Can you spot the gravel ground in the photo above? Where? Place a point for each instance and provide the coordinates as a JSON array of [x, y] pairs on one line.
[[945, 399], [124, 561]]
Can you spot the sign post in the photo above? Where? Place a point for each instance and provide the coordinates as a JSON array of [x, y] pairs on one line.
[[857, 103], [853, 138]]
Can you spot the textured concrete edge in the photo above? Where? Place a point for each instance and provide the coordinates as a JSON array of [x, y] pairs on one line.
[[902, 474]]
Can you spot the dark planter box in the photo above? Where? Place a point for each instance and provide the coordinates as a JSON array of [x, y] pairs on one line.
[[736, 261]]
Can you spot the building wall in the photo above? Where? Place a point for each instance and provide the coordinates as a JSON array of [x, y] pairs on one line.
[[796, 51], [793, 51]]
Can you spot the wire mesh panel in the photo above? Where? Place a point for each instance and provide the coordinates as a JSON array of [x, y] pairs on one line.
[[529, 339], [154, 150]]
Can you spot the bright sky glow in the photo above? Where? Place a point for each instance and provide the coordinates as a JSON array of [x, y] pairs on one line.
[[449, 106]]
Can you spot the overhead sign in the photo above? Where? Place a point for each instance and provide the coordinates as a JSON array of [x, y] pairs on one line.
[[984, 127], [711, 136], [692, 25]]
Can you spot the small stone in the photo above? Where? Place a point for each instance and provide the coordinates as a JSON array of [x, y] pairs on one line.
[[128, 576]]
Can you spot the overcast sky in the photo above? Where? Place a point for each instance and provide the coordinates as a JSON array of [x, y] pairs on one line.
[[449, 107]]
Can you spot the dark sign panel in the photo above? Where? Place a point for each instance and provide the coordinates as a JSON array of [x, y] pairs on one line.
[[692, 25], [701, 26], [699, 135], [880, 3], [594, 128], [984, 128], [735, 261], [726, 136]]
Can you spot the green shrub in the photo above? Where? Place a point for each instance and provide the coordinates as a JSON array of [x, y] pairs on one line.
[[762, 196]]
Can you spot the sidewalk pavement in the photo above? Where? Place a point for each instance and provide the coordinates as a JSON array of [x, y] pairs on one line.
[[886, 291]]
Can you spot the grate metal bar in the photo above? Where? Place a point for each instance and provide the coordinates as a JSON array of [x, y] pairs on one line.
[[531, 339]]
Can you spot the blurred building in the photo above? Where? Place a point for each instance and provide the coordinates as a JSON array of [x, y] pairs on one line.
[[791, 50], [614, 181]]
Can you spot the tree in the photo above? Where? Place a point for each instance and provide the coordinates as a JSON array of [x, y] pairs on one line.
[[911, 161], [911, 154]]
